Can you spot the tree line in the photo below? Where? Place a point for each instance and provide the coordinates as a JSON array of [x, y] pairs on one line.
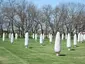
[[23, 16]]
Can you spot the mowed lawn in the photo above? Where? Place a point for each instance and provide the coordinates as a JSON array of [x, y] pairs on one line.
[[16, 53]]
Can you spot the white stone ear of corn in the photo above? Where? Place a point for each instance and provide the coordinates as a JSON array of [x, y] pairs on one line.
[[68, 41], [66, 36], [62, 36], [50, 37], [41, 38], [12, 38], [35, 36], [16, 36], [3, 36], [75, 39], [79, 37], [26, 38], [57, 43]]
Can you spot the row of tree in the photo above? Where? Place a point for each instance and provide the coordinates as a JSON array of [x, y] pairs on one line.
[[22, 16]]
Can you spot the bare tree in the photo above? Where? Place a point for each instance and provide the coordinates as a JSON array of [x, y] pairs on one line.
[[47, 18], [9, 13]]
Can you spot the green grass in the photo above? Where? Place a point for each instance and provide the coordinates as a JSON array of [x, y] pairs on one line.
[[16, 53]]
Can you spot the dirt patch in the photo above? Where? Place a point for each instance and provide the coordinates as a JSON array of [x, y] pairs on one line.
[[3, 60]]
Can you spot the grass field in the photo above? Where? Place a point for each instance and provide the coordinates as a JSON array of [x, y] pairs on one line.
[[16, 53]]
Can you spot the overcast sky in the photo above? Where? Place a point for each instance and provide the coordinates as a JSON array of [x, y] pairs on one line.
[[53, 3]]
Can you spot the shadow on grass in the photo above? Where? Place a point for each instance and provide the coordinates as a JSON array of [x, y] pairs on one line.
[[62, 55], [30, 47], [1, 62], [77, 46], [72, 49], [43, 44]]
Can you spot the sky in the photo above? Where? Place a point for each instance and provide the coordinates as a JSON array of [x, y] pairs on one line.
[[53, 3]]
